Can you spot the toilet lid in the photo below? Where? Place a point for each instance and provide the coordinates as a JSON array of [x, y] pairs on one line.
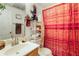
[[44, 52]]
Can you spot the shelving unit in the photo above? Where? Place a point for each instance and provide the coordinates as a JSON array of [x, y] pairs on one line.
[[37, 33], [40, 30]]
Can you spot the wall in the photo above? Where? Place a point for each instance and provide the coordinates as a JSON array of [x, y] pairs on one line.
[[28, 31], [8, 19], [40, 7]]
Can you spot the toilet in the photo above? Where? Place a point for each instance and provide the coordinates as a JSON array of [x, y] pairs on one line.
[[44, 52]]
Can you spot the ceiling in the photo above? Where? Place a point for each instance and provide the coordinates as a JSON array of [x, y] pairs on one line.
[[17, 5], [22, 5]]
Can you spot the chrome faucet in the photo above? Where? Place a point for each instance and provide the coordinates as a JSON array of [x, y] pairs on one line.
[[15, 40]]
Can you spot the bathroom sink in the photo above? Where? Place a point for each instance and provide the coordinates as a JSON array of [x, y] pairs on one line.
[[20, 49], [14, 50]]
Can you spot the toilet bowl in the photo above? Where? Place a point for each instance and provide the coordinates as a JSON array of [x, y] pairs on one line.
[[44, 52]]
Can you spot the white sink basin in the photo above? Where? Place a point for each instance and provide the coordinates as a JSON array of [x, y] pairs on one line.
[[20, 49], [14, 50]]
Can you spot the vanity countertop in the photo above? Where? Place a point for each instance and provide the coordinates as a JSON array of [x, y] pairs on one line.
[[27, 48]]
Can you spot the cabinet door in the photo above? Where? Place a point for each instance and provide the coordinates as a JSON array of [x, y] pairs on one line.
[[33, 53]]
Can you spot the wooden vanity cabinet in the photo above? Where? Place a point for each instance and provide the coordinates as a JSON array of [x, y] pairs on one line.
[[33, 53]]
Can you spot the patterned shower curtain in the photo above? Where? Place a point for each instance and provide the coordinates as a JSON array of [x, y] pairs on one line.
[[61, 24]]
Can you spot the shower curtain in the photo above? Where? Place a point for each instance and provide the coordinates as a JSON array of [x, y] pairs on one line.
[[61, 23]]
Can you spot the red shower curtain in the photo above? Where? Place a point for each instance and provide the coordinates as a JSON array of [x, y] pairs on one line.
[[61, 24]]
